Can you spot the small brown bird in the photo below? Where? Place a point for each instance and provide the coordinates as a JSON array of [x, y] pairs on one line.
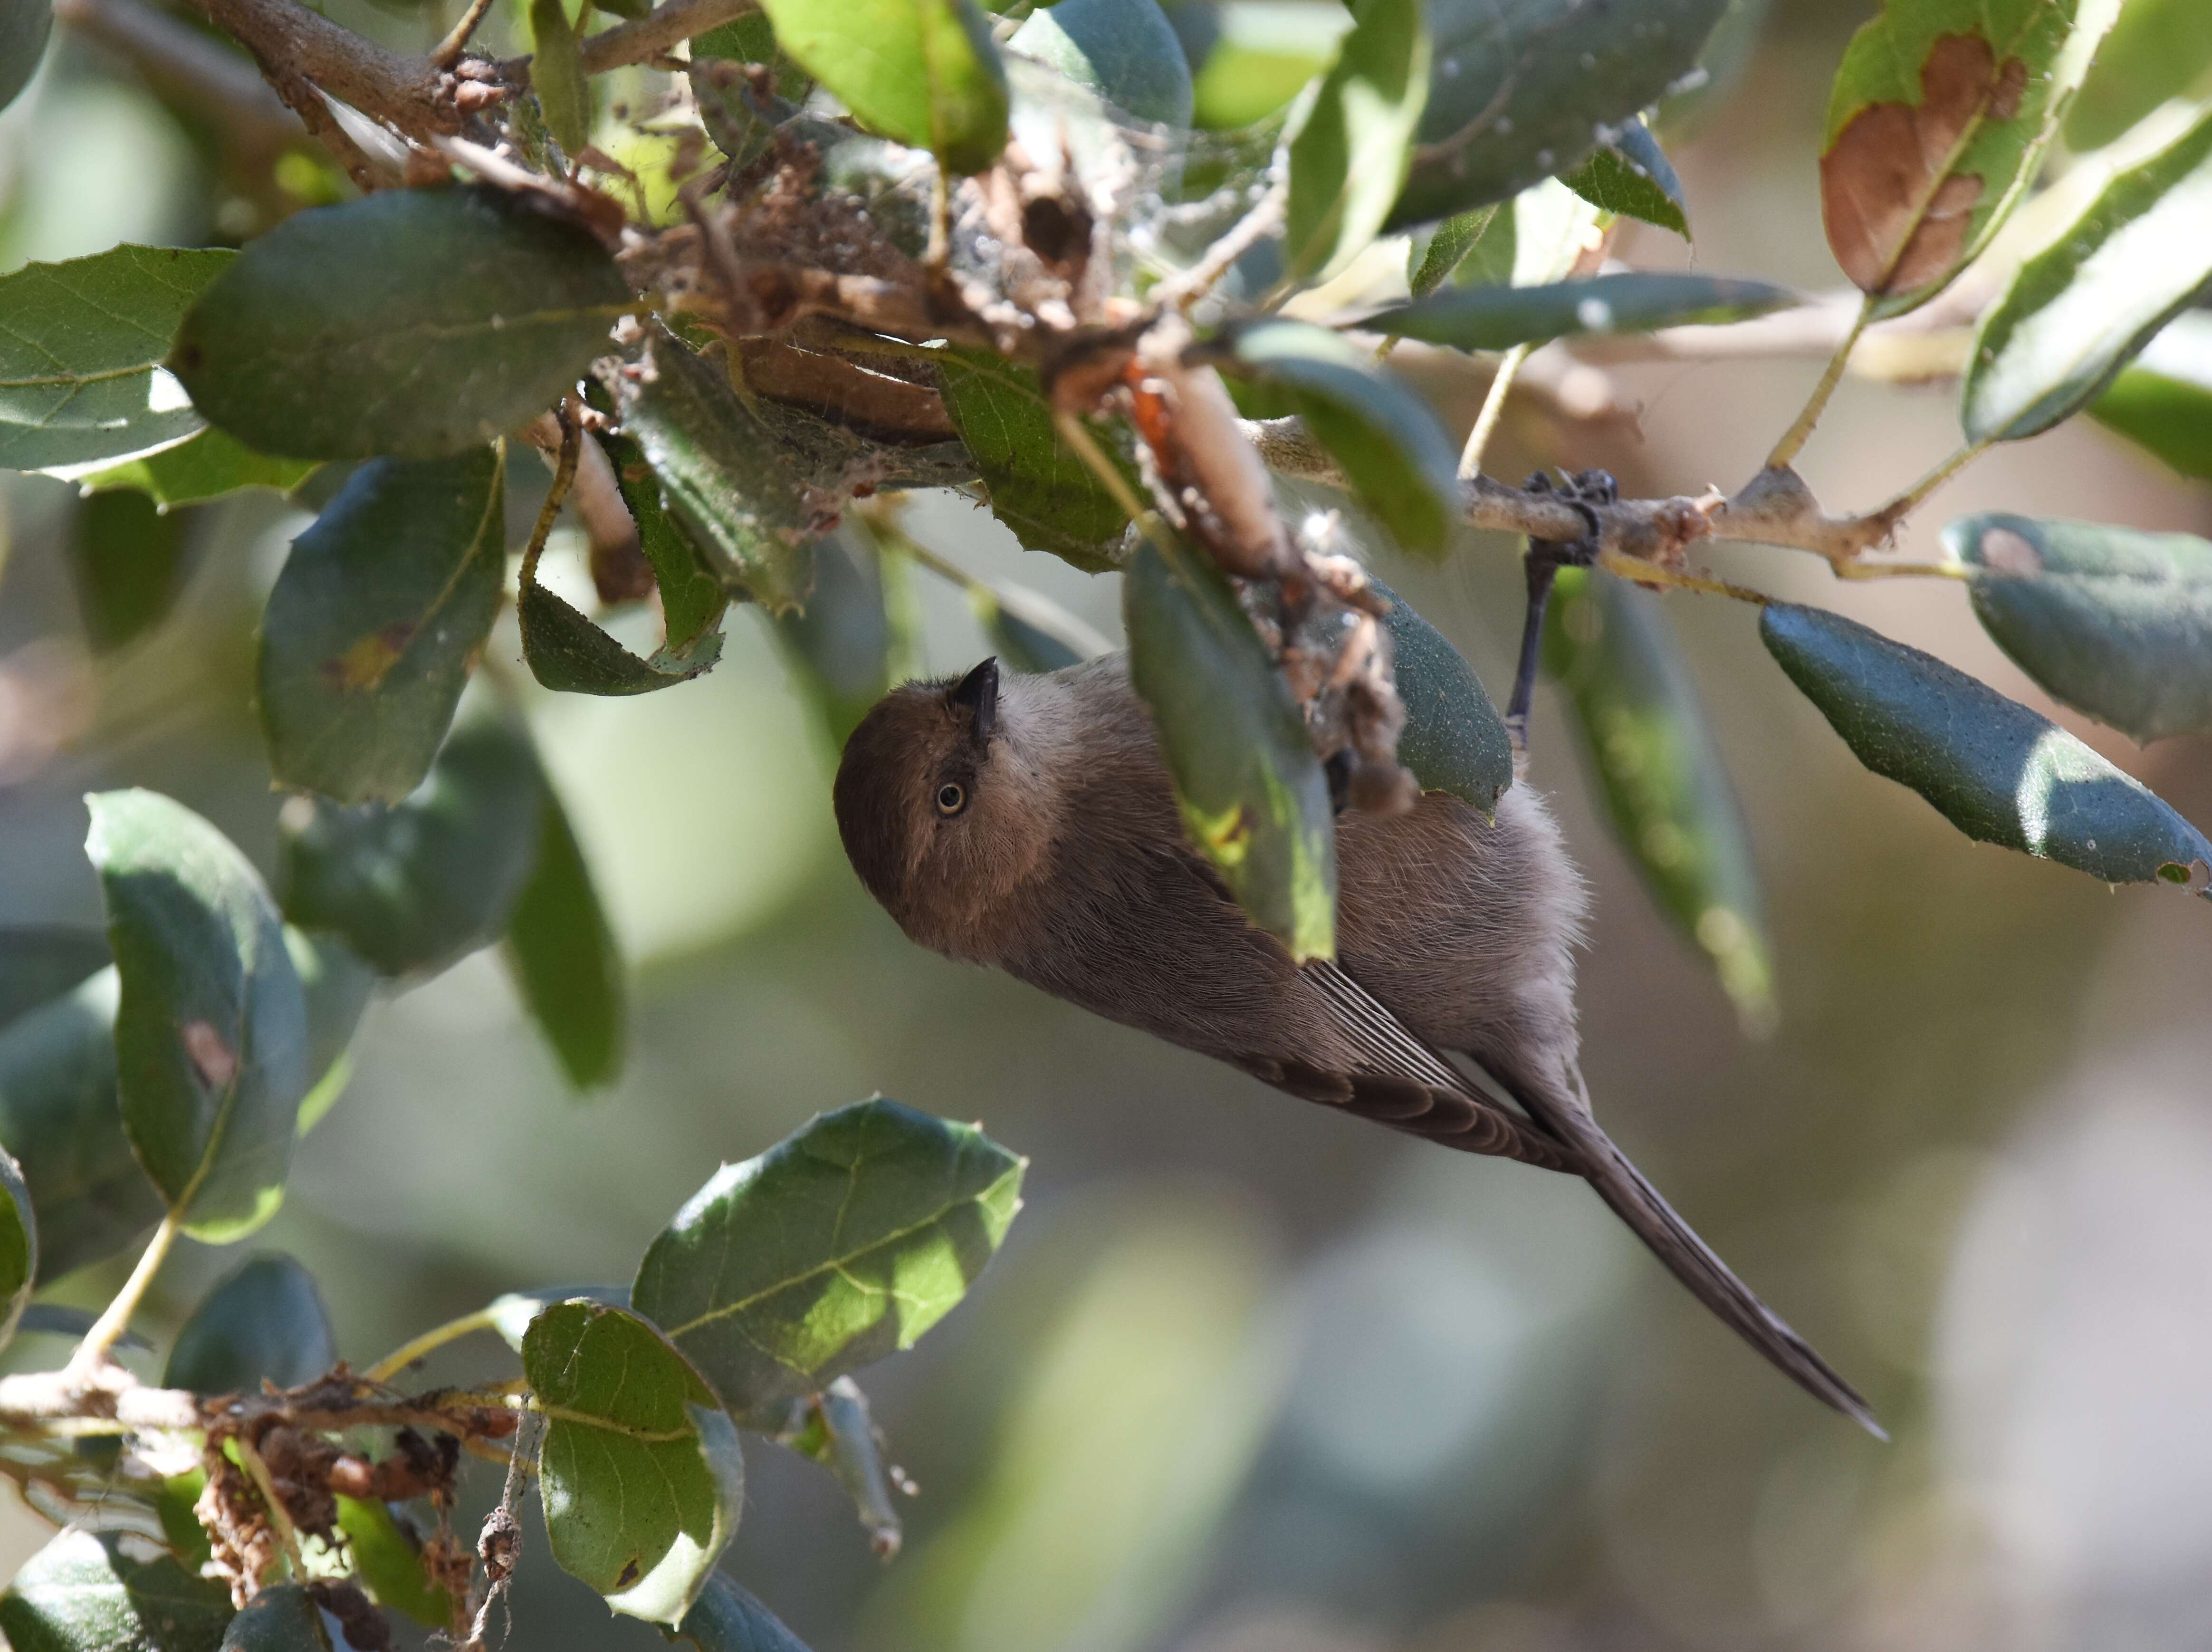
[[1028, 822]]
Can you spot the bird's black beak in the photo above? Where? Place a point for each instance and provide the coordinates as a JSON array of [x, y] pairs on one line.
[[979, 692]]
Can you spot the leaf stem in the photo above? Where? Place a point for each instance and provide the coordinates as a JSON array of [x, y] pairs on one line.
[[447, 52], [1793, 438], [451, 1331], [1494, 409], [279, 1516], [115, 1318], [1071, 431], [564, 473], [1914, 497]]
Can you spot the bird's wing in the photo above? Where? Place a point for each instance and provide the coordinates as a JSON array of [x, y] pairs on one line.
[[1399, 1080]]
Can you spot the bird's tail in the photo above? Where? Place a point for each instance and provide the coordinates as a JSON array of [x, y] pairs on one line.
[[1671, 1239]]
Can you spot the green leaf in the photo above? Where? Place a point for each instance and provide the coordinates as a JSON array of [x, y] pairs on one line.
[[1454, 739], [1498, 318], [414, 887], [337, 984], [127, 560], [1038, 487], [511, 1313], [1937, 122], [839, 1433], [211, 1034], [19, 1247], [691, 599], [41, 962], [640, 1473], [556, 76], [567, 654], [265, 1321], [2079, 310], [719, 472], [1350, 149], [283, 1618], [841, 1243], [81, 379], [24, 26], [1253, 800], [1032, 633], [210, 465], [1261, 59], [1992, 768], [843, 644], [84, 1591], [1652, 756], [1631, 178], [1400, 463], [2162, 400], [1435, 258], [2158, 49], [724, 1618], [390, 1564], [370, 632], [1523, 93], [412, 323], [924, 72], [2112, 622], [564, 959], [1126, 51], [60, 1118]]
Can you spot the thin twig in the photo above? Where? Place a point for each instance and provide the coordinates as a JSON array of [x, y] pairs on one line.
[[1265, 218], [1786, 450], [115, 1318], [1494, 409], [564, 473], [1110, 475], [1635, 568], [447, 52], [451, 1331], [280, 1517], [663, 27]]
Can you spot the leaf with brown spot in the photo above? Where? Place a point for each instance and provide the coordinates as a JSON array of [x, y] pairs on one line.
[[1937, 121]]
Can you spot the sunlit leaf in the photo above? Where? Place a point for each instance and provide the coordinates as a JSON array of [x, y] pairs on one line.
[[2158, 49], [1435, 257], [1993, 768], [639, 1472], [1263, 54], [264, 1321], [81, 379], [512, 1312], [1352, 141], [1937, 121], [84, 1591], [375, 623], [1400, 461], [389, 1565], [1498, 318], [839, 1245], [211, 1034], [1631, 178], [724, 1618], [2078, 311], [691, 598], [209, 465], [127, 560], [1126, 51], [557, 75], [2113, 622], [925, 72], [1253, 800], [1644, 734], [1454, 739], [564, 958], [1038, 487], [2162, 400], [414, 322]]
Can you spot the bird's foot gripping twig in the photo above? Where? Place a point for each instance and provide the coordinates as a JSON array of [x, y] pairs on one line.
[[1582, 493]]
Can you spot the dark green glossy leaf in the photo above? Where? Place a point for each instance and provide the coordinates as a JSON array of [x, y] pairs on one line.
[[127, 560], [337, 983], [416, 322], [719, 473], [265, 1321], [2113, 622], [1498, 318], [691, 598], [1644, 738], [82, 1591], [564, 958], [60, 1118], [1400, 463], [2162, 400], [283, 1618], [41, 962], [414, 886], [209, 465], [557, 75], [1253, 800], [212, 1034], [843, 644], [838, 1432], [568, 655], [1126, 51], [19, 1247], [1437, 257], [1631, 178], [1991, 766], [924, 72], [24, 26], [373, 627], [1937, 122], [724, 1618], [1522, 93], [1352, 141], [640, 1473], [841, 1243], [390, 1564], [2076, 312], [80, 382], [1454, 739], [1038, 487]]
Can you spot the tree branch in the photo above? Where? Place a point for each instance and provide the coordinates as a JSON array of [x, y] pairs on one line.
[[659, 30]]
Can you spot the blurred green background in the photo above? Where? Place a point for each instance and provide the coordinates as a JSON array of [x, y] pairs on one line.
[[1250, 1377]]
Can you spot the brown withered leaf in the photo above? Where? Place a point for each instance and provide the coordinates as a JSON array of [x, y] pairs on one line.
[[1896, 211]]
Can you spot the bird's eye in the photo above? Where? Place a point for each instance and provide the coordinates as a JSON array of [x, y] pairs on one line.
[[951, 798]]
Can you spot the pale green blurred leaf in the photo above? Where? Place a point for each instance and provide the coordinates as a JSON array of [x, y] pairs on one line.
[[209, 465], [2162, 400], [1352, 142], [924, 72], [556, 76], [1126, 51], [563, 955], [1498, 318]]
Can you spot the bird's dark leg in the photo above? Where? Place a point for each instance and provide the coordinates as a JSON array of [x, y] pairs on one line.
[[1544, 558]]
